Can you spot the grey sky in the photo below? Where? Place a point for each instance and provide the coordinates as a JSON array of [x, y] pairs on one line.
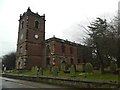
[[62, 18]]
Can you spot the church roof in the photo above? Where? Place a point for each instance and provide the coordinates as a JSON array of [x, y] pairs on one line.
[[62, 41]]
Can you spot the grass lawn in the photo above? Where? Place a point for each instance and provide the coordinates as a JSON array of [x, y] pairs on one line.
[[96, 76]]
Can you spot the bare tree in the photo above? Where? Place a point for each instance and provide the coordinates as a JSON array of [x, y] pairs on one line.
[[9, 60]]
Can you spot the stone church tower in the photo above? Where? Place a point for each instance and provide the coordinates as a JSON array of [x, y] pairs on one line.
[[31, 40]]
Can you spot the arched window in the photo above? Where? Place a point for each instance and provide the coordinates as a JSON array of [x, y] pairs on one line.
[[71, 50], [22, 25], [71, 60], [48, 49], [48, 61], [78, 60], [63, 48], [18, 64], [36, 24], [21, 49]]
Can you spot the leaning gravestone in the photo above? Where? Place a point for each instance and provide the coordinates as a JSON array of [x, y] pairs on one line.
[[55, 71], [34, 70], [72, 71]]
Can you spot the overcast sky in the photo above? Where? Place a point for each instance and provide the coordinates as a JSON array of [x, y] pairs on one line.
[[62, 18]]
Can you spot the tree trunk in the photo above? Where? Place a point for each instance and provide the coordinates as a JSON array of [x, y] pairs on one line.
[[118, 58], [101, 60]]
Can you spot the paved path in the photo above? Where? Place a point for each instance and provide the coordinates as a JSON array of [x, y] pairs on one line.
[[15, 83]]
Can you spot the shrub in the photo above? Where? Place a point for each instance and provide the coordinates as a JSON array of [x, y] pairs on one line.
[[88, 68], [72, 71], [113, 67]]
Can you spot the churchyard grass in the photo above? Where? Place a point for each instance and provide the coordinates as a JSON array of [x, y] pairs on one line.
[[95, 76]]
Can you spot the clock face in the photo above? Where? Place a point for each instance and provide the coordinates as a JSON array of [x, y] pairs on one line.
[[21, 37], [36, 36]]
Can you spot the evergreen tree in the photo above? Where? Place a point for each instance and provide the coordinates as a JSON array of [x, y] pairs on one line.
[[97, 39]]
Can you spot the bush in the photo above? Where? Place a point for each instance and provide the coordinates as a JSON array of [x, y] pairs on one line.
[[113, 67], [72, 71], [88, 68]]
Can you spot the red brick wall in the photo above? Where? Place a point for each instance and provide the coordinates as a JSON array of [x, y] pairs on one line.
[[33, 61], [58, 52], [34, 49]]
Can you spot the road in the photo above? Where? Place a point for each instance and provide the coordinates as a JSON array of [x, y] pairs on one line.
[[15, 83]]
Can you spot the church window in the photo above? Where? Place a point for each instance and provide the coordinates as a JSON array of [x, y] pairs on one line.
[[48, 61], [48, 49], [18, 63], [63, 48], [78, 60], [71, 61], [71, 50], [22, 25], [36, 24]]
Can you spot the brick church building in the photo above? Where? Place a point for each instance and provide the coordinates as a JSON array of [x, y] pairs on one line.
[[34, 50]]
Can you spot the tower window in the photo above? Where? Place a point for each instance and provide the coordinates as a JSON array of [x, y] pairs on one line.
[[22, 25], [36, 24], [21, 49], [18, 63]]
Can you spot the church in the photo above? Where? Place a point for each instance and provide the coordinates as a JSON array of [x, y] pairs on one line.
[[34, 50]]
